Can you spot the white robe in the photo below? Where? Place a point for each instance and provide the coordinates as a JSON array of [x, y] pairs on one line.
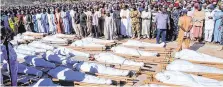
[[187, 54], [125, 23], [51, 21], [146, 23], [183, 79], [133, 52], [67, 74], [111, 58], [136, 43], [209, 26], [40, 26], [186, 66], [72, 13], [109, 28]]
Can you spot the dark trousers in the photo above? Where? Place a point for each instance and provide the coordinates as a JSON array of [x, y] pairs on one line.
[[95, 31], [161, 32], [83, 30]]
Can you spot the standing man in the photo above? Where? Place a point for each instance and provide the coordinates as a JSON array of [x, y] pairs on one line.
[[218, 17], [146, 19], [65, 21], [27, 20], [117, 19], [72, 13], [162, 21], [51, 20], [209, 23], [109, 27], [198, 20], [185, 25], [44, 21], [175, 16], [95, 19], [58, 20], [135, 15], [77, 23], [153, 28], [83, 23], [124, 14]]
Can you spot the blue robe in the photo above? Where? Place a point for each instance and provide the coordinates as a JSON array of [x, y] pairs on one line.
[[35, 25], [217, 30], [6, 21], [45, 23], [70, 21], [66, 25], [13, 62]]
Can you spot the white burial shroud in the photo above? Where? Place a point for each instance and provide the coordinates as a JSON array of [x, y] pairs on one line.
[[94, 40], [67, 74], [44, 82], [24, 52], [38, 44], [84, 66], [186, 66], [111, 58], [38, 62], [54, 39], [85, 43], [131, 51], [136, 43], [191, 55], [98, 68], [180, 78], [30, 48], [70, 52]]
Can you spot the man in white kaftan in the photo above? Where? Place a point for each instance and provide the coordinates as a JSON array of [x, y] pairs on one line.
[[109, 27], [146, 19], [125, 22], [209, 24]]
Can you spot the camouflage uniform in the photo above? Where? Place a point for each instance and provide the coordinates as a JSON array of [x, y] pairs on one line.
[[135, 22]]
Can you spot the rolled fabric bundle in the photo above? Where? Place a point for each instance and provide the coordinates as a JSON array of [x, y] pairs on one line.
[[44, 82], [38, 62], [25, 70], [111, 58], [94, 40], [186, 66], [70, 52], [142, 44], [64, 36], [83, 43], [24, 52], [98, 68], [67, 74], [38, 44], [52, 57], [153, 85], [53, 39], [29, 48], [131, 51], [183, 79], [187, 54]]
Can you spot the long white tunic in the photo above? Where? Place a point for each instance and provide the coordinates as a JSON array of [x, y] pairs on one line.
[[146, 23], [209, 23], [40, 26], [183, 79], [125, 23], [109, 28], [187, 54]]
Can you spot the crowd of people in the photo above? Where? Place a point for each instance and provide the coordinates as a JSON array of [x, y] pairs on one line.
[[181, 21]]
